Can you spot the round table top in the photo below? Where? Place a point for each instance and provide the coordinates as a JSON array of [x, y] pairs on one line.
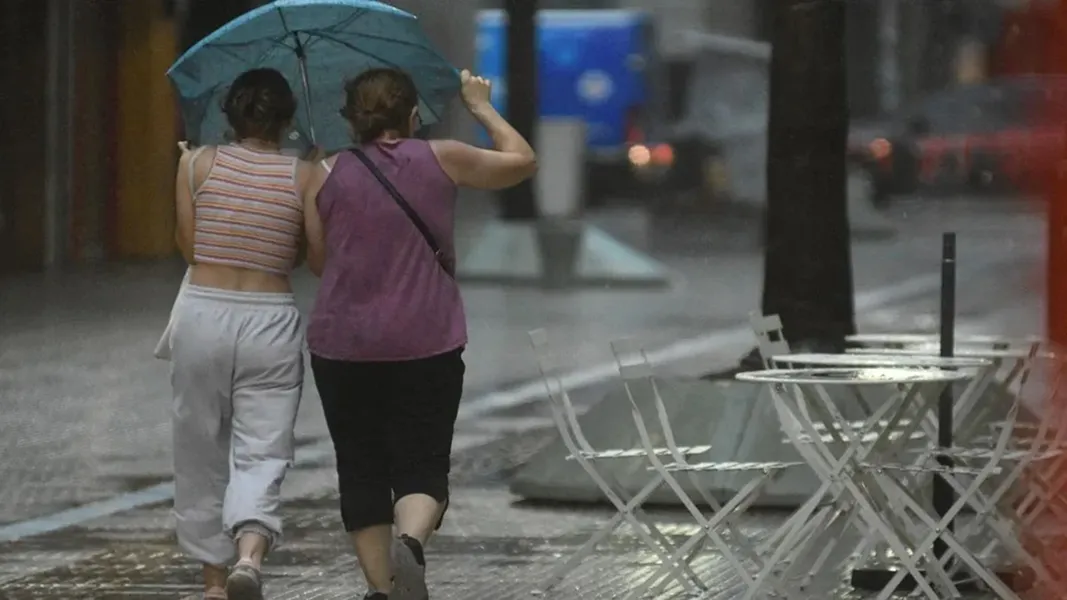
[[935, 350], [926, 338], [883, 360], [868, 376]]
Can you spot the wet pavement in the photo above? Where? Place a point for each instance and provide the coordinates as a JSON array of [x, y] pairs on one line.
[[492, 547], [85, 409]]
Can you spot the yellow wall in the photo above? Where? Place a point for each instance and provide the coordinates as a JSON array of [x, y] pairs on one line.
[[147, 132]]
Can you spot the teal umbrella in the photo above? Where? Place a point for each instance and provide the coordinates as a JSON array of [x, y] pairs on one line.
[[317, 45]]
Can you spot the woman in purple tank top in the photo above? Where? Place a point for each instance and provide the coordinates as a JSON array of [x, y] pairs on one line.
[[388, 331]]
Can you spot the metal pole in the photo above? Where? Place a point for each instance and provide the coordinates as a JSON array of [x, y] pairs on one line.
[[944, 496], [302, 57], [57, 131], [519, 202]]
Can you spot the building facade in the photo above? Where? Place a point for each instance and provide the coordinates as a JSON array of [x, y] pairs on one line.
[[91, 132]]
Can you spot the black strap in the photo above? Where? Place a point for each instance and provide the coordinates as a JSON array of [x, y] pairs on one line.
[[413, 216]]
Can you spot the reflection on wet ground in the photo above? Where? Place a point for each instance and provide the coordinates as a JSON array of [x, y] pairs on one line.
[[491, 547]]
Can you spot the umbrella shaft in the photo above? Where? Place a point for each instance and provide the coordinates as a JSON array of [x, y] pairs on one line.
[[307, 96]]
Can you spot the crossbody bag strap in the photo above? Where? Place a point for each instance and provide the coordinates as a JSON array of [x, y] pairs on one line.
[[413, 216]]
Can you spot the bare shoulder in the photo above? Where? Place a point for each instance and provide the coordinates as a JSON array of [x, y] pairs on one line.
[[204, 158], [200, 161], [197, 156]]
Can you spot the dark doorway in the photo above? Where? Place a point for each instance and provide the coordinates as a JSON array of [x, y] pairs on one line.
[[23, 58]]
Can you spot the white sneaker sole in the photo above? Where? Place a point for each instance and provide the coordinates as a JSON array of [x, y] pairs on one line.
[[409, 581]]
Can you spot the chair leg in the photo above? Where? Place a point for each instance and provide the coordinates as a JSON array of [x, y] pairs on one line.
[[624, 514]]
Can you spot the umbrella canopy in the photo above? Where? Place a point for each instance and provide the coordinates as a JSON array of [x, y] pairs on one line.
[[317, 45]]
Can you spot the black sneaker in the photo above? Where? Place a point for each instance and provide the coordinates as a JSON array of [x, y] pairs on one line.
[[409, 570], [376, 596]]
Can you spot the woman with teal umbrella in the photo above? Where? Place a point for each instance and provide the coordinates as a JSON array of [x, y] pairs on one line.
[[237, 341]]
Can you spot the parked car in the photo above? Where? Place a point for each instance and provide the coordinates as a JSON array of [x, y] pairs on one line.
[[986, 138], [715, 125], [598, 66]]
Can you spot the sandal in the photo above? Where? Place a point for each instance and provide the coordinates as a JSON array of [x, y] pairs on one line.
[[244, 583]]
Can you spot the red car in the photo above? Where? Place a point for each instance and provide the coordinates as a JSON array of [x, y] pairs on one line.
[[1001, 135]]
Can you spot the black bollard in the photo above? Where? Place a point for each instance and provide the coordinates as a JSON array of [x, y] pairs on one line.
[[944, 496]]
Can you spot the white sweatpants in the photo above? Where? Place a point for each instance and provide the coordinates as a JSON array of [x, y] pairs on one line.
[[237, 370]]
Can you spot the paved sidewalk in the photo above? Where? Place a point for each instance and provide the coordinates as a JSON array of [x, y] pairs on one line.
[[85, 412], [491, 547]]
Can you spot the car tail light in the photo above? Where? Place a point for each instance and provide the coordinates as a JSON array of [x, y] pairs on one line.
[[880, 149], [660, 155], [639, 155], [663, 155]]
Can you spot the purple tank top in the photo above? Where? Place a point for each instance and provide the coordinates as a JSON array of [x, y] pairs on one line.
[[383, 295]]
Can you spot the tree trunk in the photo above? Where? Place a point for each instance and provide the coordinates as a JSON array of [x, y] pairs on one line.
[[519, 203], [808, 263]]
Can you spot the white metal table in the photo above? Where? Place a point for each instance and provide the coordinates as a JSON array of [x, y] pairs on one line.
[[1010, 368], [1041, 441], [902, 340], [858, 468], [981, 369], [984, 369]]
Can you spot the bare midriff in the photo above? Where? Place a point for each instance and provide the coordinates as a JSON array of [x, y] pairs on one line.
[[238, 279]]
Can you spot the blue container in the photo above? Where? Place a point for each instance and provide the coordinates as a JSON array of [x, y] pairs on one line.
[[592, 65]]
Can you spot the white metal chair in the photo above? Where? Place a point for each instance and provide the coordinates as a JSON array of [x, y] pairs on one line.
[[628, 507], [770, 337], [771, 341], [1023, 495], [741, 553]]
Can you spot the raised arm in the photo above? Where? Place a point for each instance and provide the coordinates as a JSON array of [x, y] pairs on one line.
[[511, 160]]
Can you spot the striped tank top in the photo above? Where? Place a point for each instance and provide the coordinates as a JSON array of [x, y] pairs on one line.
[[248, 211]]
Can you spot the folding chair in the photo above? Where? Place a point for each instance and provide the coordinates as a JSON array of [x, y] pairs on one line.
[[1011, 511], [770, 337], [987, 452], [839, 503], [972, 416], [628, 507], [771, 341], [636, 372], [990, 461]]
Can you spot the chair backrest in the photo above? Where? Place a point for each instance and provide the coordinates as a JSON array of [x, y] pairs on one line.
[[1051, 433], [563, 412], [565, 417], [636, 372], [770, 338]]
